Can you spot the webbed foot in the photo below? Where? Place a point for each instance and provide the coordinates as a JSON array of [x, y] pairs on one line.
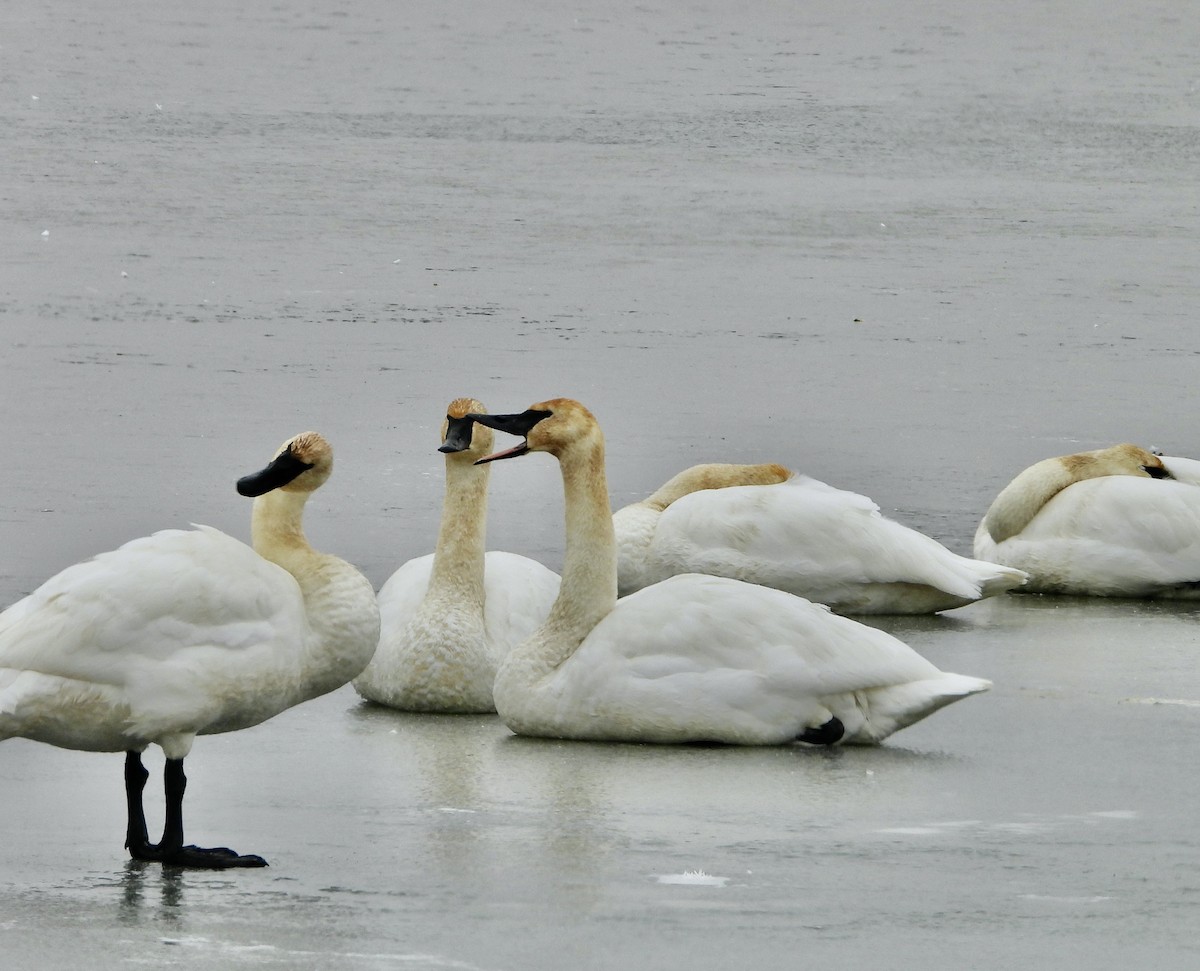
[[196, 857]]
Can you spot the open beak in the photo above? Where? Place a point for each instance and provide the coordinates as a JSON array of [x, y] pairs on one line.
[[508, 453], [516, 424]]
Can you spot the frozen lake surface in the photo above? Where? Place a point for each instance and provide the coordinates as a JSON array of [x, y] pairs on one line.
[[905, 251]]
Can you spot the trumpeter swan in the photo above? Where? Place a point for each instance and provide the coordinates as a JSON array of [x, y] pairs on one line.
[[1115, 522], [694, 658], [448, 619], [768, 525], [185, 633]]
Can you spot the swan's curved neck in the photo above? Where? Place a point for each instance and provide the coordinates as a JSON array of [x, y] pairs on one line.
[[458, 561], [338, 601], [589, 576], [277, 529], [1021, 500], [716, 475]]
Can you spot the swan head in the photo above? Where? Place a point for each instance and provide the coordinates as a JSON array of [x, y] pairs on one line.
[[302, 464], [1124, 459], [462, 435], [1019, 501], [555, 426]]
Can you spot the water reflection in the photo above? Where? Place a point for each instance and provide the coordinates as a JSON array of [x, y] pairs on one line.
[[141, 880]]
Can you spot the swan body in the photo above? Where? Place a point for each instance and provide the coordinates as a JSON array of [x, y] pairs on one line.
[[766, 525], [448, 619], [185, 633], [693, 658], [1115, 522]]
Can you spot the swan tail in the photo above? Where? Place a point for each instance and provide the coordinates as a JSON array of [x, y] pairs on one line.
[[884, 711], [1003, 579]]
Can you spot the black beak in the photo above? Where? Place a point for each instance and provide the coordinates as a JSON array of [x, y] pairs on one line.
[[1157, 472], [521, 424], [280, 472], [458, 434]]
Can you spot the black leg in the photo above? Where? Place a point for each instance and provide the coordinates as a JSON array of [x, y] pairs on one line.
[[136, 839], [828, 734], [171, 850]]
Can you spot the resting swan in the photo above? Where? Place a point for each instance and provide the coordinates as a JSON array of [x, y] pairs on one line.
[[694, 658], [185, 633], [768, 525], [447, 619], [1115, 522]]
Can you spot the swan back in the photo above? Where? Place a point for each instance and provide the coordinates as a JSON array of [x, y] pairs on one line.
[[637, 523], [804, 537]]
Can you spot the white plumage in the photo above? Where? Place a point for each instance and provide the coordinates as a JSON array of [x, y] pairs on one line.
[[449, 618], [186, 633], [1115, 522], [796, 534], [693, 658]]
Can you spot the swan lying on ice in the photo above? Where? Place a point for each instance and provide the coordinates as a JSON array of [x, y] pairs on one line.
[[449, 618], [768, 525], [1115, 522], [694, 658]]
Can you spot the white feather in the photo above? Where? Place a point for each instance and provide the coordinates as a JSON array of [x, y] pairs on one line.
[[448, 619], [1113, 533], [804, 537], [178, 634], [694, 658]]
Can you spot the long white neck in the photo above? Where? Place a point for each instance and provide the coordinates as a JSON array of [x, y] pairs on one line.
[[589, 576], [457, 573]]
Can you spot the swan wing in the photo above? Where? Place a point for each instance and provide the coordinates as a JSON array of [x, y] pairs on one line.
[[518, 594], [808, 538], [179, 628], [707, 658], [401, 595]]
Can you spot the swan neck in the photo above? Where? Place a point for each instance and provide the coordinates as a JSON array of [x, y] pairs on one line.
[[716, 475], [1023, 498], [589, 577], [338, 601], [277, 529], [458, 561]]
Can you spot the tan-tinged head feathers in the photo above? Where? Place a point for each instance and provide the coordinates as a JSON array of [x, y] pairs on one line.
[[1021, 500]]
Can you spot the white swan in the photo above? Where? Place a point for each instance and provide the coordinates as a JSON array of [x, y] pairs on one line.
[[186, 633], [768, 525], [1115, 522], [694, 658], [448, 619]]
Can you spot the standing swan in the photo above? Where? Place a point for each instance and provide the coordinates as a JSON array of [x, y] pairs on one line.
[[185, 633], [1116, 522], [768, 525], [694, 658], [448, 619]]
